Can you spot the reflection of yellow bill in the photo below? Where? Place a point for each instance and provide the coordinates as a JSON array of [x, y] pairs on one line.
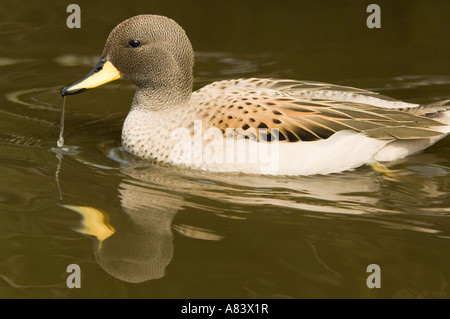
[[95, 222], [102, 73]]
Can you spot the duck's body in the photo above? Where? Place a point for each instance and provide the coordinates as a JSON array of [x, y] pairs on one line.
[[255, 125]]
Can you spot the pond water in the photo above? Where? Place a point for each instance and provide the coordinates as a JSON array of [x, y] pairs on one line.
[[146, 230]]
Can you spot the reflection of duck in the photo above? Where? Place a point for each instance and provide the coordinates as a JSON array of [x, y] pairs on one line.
[[137, 246], [322, 128], [141, 247]]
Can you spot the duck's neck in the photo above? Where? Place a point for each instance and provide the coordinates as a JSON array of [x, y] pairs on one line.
[[156, 97], [154, 114], [145, 132]]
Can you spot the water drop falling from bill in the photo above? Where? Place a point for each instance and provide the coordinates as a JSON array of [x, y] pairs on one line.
[[60, 142]]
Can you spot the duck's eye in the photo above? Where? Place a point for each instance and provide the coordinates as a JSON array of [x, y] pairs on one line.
[[134, 43]]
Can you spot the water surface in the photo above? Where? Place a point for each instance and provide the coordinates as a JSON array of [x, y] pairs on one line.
[[170, 232]]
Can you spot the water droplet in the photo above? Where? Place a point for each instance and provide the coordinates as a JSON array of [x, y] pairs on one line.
[[60, 141]]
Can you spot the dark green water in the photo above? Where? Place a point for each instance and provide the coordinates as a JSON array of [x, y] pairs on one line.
[[180, 233]]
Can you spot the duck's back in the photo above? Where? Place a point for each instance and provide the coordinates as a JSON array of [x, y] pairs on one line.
[[310, 111]]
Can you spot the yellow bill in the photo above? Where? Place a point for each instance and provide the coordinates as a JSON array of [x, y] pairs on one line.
[[102, 73]]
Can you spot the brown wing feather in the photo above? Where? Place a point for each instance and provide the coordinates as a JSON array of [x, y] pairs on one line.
[[260, 111]]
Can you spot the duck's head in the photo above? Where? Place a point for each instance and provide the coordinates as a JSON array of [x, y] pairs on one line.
[[151, 51]]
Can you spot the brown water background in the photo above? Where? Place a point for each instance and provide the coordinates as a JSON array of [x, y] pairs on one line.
[[180, 233]]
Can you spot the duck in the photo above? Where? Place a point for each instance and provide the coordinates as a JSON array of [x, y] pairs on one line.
[[252, 125]]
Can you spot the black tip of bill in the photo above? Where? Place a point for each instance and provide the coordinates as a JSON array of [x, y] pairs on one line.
[[65, 91]]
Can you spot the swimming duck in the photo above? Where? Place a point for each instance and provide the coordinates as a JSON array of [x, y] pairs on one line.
[[255, 125]]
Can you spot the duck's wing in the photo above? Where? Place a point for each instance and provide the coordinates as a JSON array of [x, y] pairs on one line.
[[309, 111]]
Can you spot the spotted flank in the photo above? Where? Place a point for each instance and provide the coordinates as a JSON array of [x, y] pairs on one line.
[[309, 111], [256, 125]]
